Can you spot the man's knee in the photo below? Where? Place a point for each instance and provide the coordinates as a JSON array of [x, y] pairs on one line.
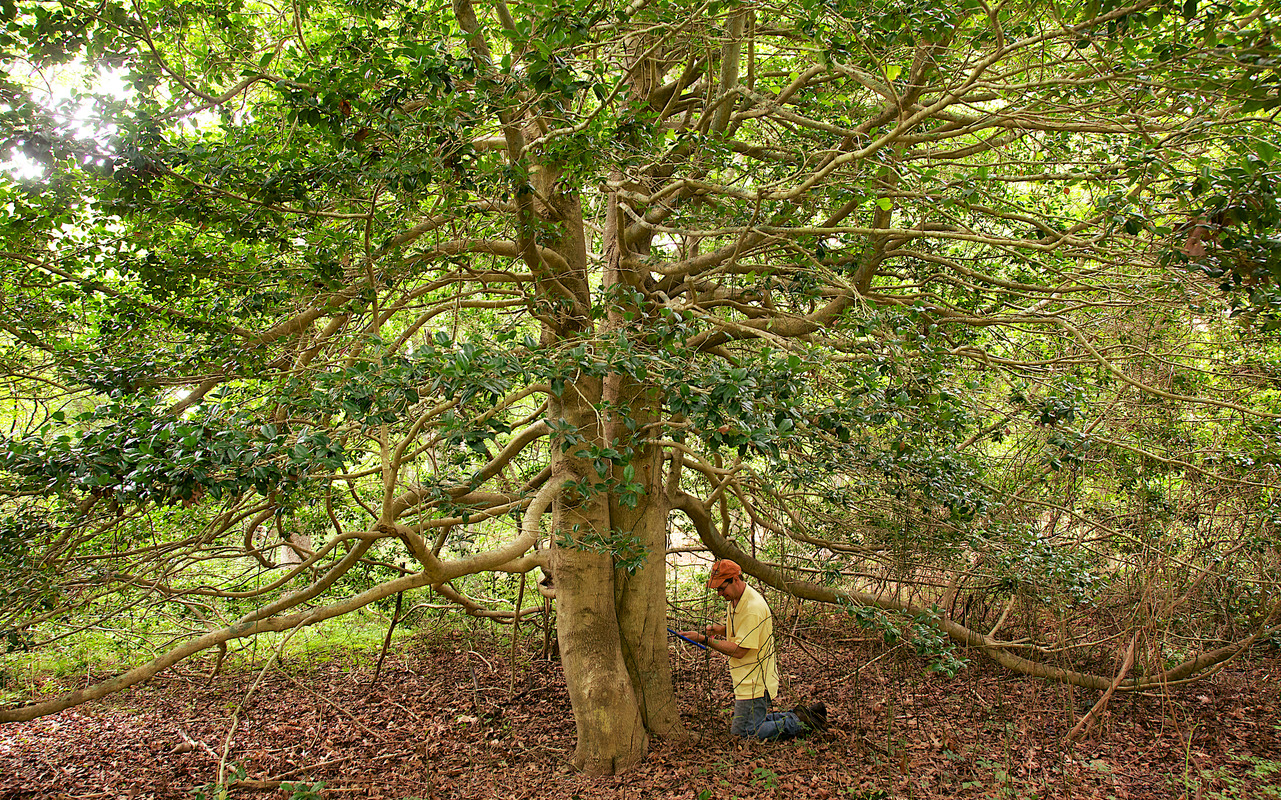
[[748, 716]]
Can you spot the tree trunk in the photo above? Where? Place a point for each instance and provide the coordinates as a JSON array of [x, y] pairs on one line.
[[641, 596], [602, 689], [611, 732]]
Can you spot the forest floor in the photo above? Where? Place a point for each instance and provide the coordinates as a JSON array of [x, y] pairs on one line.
[[448, 719]]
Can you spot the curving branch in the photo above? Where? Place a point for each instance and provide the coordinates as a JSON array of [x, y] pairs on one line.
[[1194, 668], [243, 628], [506, 557]]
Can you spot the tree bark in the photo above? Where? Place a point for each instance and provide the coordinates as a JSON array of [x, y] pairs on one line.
[[611, 732], [641, 596]]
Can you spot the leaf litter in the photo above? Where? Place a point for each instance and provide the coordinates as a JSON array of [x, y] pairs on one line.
[[448, 719]]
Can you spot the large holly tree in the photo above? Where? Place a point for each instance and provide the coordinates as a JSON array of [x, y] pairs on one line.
[[955, 313]]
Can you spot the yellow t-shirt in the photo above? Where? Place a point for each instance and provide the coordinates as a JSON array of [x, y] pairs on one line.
[[750, 625]]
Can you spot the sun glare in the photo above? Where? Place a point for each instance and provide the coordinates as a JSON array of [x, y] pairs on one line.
[[58, 89]]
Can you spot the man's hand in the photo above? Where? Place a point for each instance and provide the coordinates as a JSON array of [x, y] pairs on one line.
[[723, 646]]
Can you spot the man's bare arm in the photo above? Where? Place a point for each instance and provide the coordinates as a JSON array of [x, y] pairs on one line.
[[720, 645]]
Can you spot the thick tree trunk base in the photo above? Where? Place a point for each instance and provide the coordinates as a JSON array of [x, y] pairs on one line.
[[611, 733]]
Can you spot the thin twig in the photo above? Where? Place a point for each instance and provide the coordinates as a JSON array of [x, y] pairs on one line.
[[235, 715], [520, 599], [1102, 704], [395, 617], [337, 707]]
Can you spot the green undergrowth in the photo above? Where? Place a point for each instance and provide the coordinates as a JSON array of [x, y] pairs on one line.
[[1243, 776], [88, 656]]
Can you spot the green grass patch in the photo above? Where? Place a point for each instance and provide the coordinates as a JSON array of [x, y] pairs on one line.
[[88, 656]]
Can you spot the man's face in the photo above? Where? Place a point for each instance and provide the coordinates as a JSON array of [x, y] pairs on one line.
[[723, 588]]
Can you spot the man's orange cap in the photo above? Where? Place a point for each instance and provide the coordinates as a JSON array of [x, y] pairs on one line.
[[722, 571]]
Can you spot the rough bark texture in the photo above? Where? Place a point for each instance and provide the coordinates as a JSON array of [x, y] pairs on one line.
[[611, 734]]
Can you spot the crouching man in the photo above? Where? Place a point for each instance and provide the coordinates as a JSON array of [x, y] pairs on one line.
[[747, 638]]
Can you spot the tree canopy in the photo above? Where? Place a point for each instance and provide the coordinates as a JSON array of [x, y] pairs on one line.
[[946, 312]]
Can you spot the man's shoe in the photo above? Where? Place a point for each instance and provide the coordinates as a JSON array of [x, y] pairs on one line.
[[813, 717], [819, 712]]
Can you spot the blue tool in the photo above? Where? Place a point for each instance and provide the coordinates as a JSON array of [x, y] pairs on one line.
[[699, 645]]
